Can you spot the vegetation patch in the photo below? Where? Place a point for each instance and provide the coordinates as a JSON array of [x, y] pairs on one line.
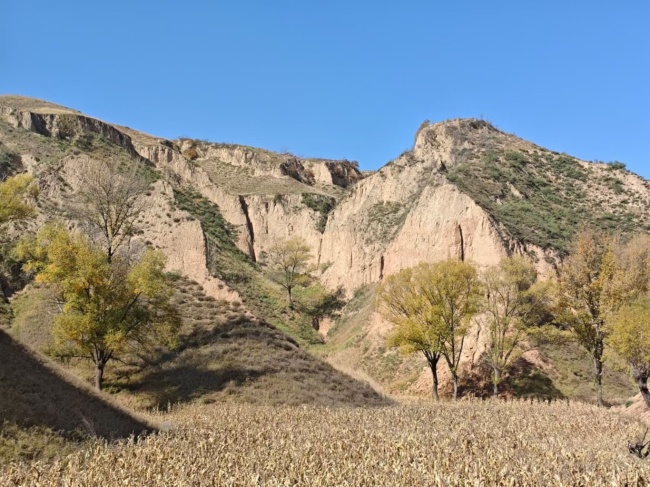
[[553, 195], [226, 262], [319, 203], [384, 220]]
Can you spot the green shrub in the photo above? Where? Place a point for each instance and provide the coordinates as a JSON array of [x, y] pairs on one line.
[[320, 203]]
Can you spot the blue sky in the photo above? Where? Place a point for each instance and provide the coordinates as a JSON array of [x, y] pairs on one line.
[[343, 79]]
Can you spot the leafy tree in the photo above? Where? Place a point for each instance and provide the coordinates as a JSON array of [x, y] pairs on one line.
[[108, 308], [14, 206], [401, 302], [288, 263], [454, 291], [317, 302], [13, 193], [432, 306], [109, 201], [629, 330], [600, 275], [513, 301]]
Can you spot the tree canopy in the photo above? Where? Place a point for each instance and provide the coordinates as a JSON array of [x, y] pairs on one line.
[[13, 193], [288, 263], [432, 306], [108, 308], [629, 336], [601, 274]]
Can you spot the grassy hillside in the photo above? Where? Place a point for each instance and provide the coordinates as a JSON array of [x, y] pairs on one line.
[[542, 197], [225, 353], [43, 409], [465, 443], [262, 297]]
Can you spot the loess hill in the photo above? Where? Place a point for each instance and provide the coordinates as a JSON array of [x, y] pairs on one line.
[[465, 189]]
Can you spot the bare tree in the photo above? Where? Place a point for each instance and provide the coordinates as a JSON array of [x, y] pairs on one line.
[[109, 201]]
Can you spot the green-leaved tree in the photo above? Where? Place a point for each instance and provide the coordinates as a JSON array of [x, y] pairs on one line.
[[416, 328], [432, 306]]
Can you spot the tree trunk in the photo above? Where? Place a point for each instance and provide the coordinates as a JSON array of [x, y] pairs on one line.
[[290, 297], [642, 381], [454, 380], [495, 381], [433, 365], [99, 376], [598, 372]]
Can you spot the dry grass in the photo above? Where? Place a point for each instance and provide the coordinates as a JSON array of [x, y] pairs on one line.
[[44, 409], [34, 105], [468, 443]]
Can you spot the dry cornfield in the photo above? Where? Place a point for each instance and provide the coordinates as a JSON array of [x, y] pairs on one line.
[[467, 443]]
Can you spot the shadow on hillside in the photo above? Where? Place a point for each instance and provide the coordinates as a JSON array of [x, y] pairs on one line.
[[528, 381], [250, 361], [524, 380], [34, 393]]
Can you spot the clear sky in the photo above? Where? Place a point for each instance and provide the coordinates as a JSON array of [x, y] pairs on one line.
[[343, 79]]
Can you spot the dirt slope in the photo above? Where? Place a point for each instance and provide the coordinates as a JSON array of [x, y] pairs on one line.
[[35, 392]]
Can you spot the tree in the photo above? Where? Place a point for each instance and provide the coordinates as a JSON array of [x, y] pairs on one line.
[[629, 330], [14, 207], [433, 305], [13, 193], [317, 302], [401, 302], [454, 291], [513, 301], [601, 274], [108, 308], [109, 201], [288, 262]]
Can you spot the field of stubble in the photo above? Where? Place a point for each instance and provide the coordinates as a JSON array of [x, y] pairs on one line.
[[468, 443]]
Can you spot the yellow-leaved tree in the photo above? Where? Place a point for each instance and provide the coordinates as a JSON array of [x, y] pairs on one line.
[[288, 264], [432, 306], [416, 329], [108, 308], [601, 274], [15, 193], [629, 330], [514, 300]]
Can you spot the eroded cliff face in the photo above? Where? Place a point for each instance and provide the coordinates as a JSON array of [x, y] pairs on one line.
[[404, 214], [407, 213]]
